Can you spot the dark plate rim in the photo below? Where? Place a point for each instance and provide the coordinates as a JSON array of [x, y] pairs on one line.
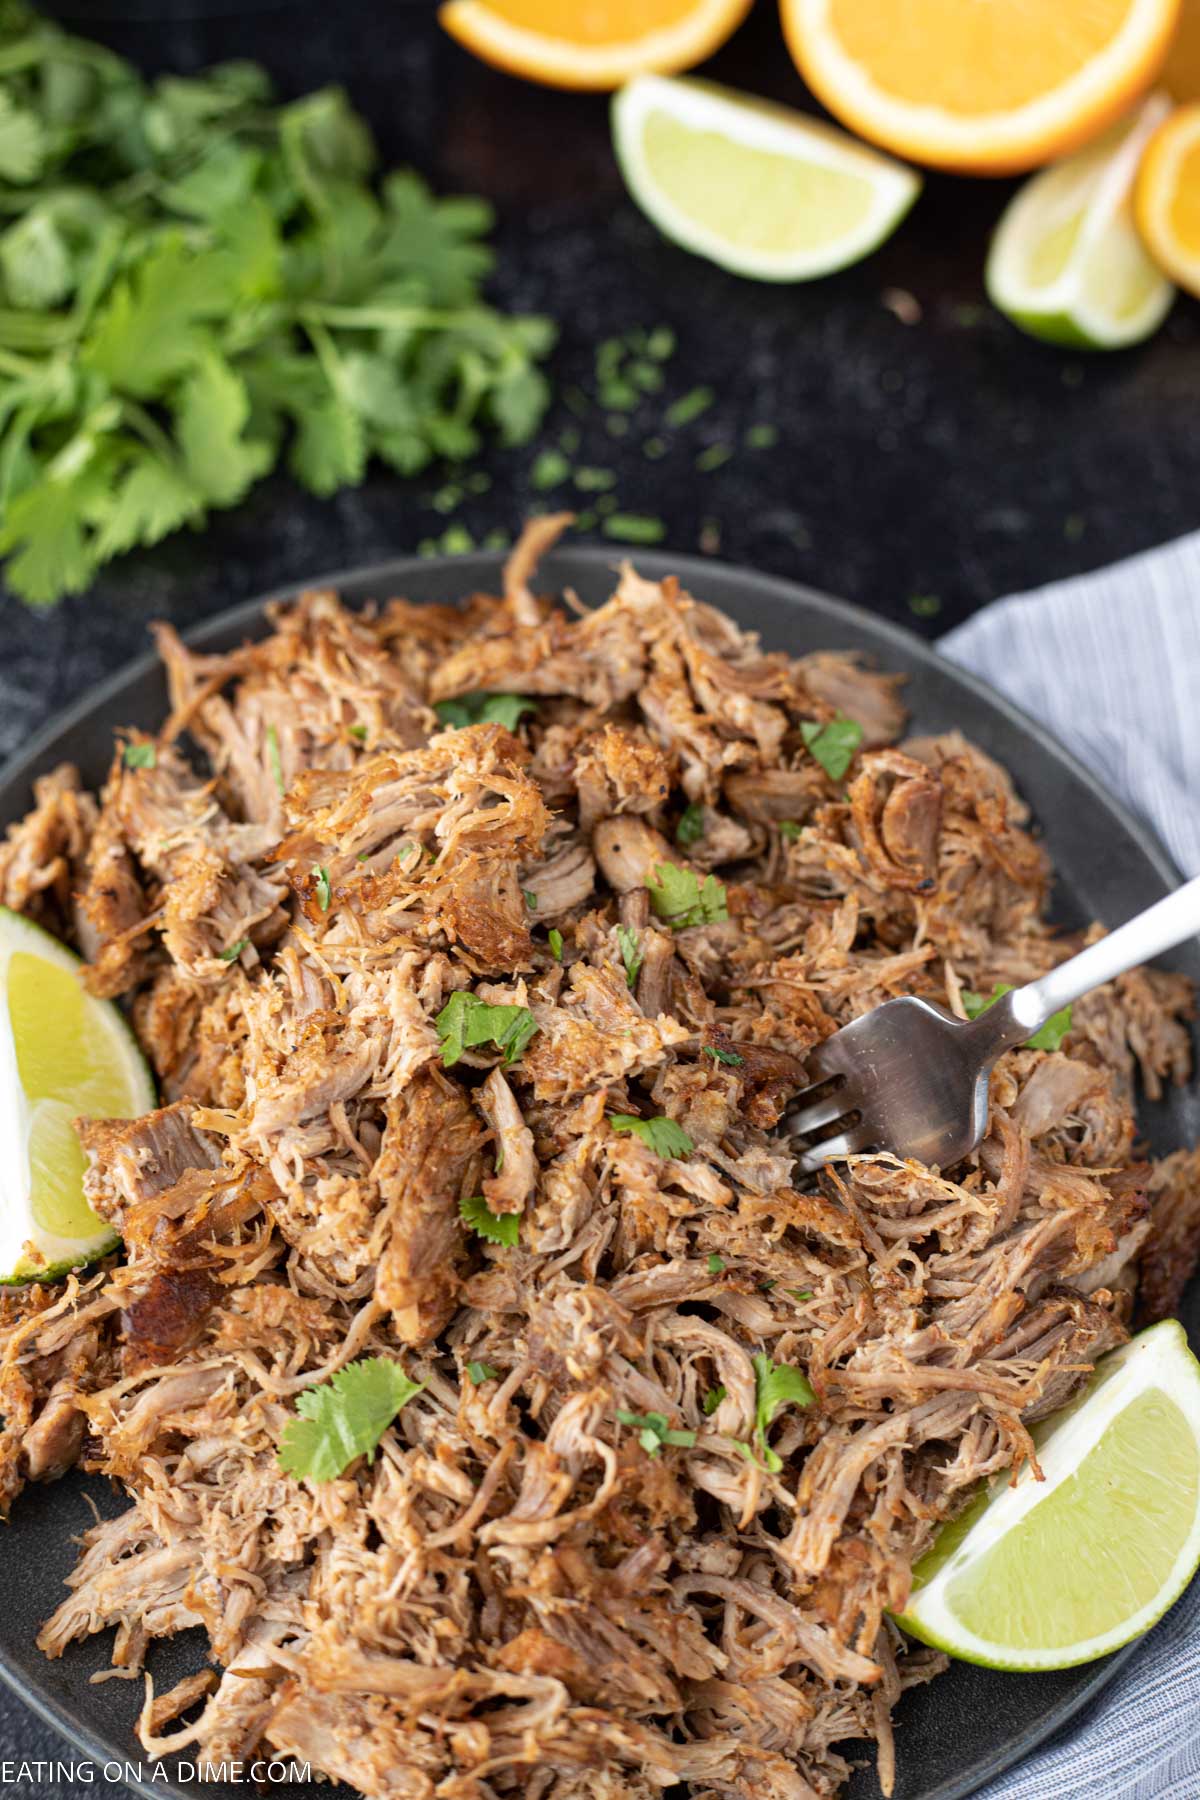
[[480, 571]]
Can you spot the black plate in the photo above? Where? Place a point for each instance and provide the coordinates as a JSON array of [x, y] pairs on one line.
[[971, 1723]]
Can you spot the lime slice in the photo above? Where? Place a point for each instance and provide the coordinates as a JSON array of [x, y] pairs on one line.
[[63, 1055], [1066, 262], [755, 187], [1044, 1574]]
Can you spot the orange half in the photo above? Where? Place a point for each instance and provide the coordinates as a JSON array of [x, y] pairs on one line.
[[1166, 197], [984, 86], [594, 44]]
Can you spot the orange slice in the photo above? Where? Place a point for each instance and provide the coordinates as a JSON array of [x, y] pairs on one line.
[[984, 86], [599, 44], [1166, 198]]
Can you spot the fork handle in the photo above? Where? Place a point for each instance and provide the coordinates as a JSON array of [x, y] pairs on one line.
[[1168, 922]]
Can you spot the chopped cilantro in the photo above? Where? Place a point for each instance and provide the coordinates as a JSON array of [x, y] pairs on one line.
[[1047, 1037], [715, 457], [484, 709], [343, 1418], [654, 448], [801, 1293], [481, 1372], [634, 528], [789, 830], [498, 1228], [680, 897], [555, 939], [691, 825], [322, 888], [357, 731], [631, 953], [730, 1057], [833, 745], [660, 343], [761, 437], [663, 1136], [653, 1431], [925, 606], [550, 469], [712, 1400], [594, 481], [689, 406], [715, 1263], [234, 951], [465, 1022], [139, 756], [531, 899]]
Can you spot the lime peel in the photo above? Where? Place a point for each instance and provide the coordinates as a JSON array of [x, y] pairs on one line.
[[1045, 1575]]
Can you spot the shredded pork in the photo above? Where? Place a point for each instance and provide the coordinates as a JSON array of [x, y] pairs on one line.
[[516, 1597]]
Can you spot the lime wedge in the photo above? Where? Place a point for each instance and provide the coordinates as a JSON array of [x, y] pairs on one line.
[[1044, 1574], [63, 1055], [763, 191], [1066, 262]]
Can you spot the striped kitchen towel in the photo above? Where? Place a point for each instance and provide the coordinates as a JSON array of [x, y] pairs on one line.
[[1110, 662]]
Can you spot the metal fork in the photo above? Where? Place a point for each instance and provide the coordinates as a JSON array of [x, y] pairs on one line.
[[917, 1077]]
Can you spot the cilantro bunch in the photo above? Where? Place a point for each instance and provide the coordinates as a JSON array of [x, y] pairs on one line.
[[196, 282]]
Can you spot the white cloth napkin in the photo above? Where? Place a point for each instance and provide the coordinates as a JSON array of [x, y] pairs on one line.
[[1110, 662]]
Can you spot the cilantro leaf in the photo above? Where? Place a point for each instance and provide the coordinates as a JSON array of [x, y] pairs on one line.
[[718, 1055], [775, 1385], [661, 1135], [631, 953], [23, 142], [555, 939], [152, 499], [323, 891], [1047, 1037], [139, 756], [155, 324], [680, 897], [654, 1431], [344, 1418], [480, 1372], [234, 951], [833, 745], [712, 1400], [465, 1022], [211, 413], [715, 1263], [498, 1228], [789, 831], [691, 825], [484, 709]]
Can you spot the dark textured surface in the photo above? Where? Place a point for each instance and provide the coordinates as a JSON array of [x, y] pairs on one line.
[[950, 456], [970, 1722]]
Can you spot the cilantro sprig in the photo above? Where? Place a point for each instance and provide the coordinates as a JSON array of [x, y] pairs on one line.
[[484, 709], [663, 1136], [465, 1022], [498, 1228], [775, 1385], [196, 283], [631, 953], [1047, 1037], [683, 899], [344, 1418]]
